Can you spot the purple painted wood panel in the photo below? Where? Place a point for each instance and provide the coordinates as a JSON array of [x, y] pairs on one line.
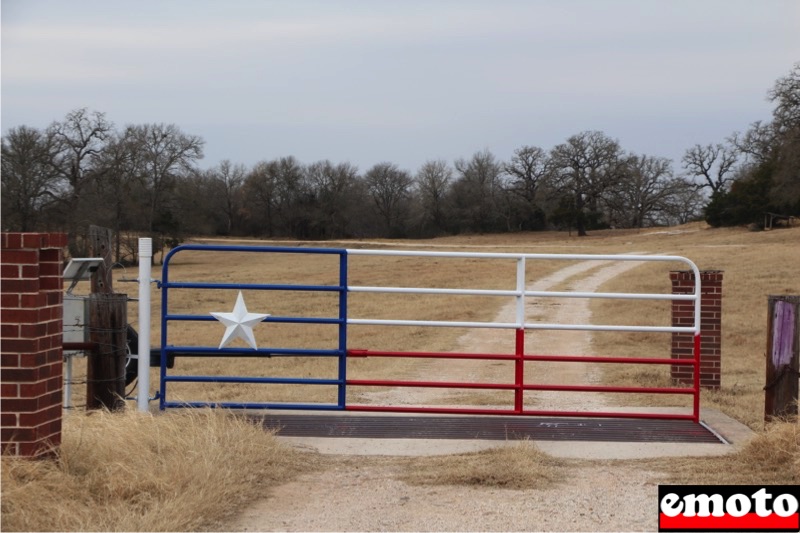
[[783, 333]]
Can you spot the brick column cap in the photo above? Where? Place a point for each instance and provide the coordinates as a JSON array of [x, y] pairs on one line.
[[701, 272], [20, 241]]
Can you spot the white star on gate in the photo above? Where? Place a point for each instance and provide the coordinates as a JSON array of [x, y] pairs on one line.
[[240, 323]]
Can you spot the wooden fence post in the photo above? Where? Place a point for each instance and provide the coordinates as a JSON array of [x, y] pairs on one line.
[[107, 322], [783, 356], [100, 245], [105, 373]]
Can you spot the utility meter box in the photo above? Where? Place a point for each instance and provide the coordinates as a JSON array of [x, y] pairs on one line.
[[76, 313]]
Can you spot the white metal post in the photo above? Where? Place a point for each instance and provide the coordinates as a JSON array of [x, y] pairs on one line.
[[68, 382], [145, 260], [520, 293]]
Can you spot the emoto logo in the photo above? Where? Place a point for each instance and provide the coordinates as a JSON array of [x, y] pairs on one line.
[[728, 508]]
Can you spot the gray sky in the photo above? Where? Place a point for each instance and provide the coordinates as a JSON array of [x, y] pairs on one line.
[[401, 81]]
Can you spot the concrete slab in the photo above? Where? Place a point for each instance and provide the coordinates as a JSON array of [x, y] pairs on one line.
[[734, 434]]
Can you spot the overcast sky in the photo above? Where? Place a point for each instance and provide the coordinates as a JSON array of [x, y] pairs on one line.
[[401, 81]]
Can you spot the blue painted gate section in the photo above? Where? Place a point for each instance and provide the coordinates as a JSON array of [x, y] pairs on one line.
[[338, 351]]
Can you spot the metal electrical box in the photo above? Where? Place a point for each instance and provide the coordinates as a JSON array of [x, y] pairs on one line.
[[76, 308], [76, 313]]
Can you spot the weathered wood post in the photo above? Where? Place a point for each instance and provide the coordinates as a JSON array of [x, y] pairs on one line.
[[100, 246], [783, 357], [105, 373], [108, 319]]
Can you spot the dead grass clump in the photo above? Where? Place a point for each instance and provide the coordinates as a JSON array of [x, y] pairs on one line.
[[771, 457], [775, 453], [518, 467], [138, 472]]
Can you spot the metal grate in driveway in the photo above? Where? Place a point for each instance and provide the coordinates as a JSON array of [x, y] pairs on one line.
[[487, 428]]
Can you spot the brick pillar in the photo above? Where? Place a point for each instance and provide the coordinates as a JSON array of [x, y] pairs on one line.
[[710, 327], [32, 337]]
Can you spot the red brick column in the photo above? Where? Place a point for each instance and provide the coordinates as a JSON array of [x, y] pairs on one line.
[[31, 335], [710, 327]]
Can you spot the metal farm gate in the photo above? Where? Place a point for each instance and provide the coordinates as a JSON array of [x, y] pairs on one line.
[[338, 286]]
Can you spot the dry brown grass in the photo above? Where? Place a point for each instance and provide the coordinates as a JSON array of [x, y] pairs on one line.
[[135, 472], [772, 457], [519, 467]]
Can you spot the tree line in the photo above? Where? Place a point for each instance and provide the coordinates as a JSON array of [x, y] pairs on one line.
[[145, 180]]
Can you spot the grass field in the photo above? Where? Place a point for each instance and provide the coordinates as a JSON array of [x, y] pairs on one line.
[[192, 448]]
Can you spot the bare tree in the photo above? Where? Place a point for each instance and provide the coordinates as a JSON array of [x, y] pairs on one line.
[[80, 139], [528, 169], [771, 153], [334, 187], [684, 205], [432, 182], [389, 188], [29, 181], [714, 163], [786, 120], [164, 153], [786, 96], [275, 194], [644, 192], [475, 192], [261, 194], [227, 180], [529, 166], [758, 143], [584, 168], [118, 187]]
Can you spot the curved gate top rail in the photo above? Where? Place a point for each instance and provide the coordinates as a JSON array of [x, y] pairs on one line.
[[519, 292]]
